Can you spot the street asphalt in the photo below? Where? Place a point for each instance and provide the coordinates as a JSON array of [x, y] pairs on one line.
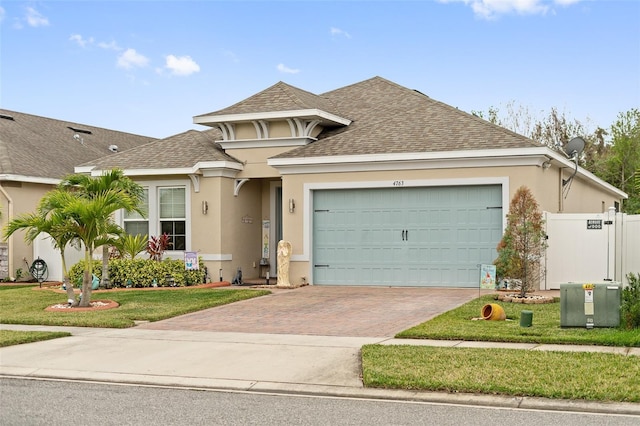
[[249, 362]]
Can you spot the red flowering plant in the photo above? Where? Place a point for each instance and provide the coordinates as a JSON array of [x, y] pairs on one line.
[[157, 246]]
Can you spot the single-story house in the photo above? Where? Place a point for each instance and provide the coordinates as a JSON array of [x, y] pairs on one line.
[[35, 153], [372, 184]]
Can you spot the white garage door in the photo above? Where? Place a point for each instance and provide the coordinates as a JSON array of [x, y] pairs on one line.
[[420, 236]]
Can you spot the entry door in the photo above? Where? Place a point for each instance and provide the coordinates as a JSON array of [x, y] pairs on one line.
[[434, 236]]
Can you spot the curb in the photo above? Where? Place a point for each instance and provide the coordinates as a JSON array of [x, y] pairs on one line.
[[261, 387]]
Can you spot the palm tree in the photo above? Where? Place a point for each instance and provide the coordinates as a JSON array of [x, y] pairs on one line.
[[87, 186], [89, 220], [36, 223]]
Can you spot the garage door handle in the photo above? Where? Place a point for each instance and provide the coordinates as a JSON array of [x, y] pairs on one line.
[[406, 235], [403, 235], [321, 266]]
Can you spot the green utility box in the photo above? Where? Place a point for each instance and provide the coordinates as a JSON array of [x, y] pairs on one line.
[[590, 304]]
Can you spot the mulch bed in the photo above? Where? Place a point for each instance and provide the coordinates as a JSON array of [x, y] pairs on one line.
[[96, 305]]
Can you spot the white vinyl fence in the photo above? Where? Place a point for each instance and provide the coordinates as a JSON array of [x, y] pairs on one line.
[[591, 247], [44, 249]]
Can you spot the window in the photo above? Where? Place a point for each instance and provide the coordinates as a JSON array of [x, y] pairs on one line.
[[166, 204], [134, 222], [172, 215]]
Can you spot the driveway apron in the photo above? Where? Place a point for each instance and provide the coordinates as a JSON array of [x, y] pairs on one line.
[[325, 311]]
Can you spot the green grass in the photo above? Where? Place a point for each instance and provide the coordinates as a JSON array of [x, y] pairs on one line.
[[561, 375], [25, 305], [10, 337], [457, 324]]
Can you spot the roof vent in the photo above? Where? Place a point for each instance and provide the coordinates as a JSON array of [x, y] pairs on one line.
[[78, 130], [113, 148], [7, 117]]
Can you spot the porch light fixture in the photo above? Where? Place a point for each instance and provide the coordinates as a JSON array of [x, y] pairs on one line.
[[292, 205]]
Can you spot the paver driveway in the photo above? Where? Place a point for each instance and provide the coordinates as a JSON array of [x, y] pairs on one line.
[[325, 311]]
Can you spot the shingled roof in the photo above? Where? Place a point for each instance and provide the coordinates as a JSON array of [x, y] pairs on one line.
[[180, 151], [389, 118], [43, 148], [279, 97]]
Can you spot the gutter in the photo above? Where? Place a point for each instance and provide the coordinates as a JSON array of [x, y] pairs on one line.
[[10, 240]]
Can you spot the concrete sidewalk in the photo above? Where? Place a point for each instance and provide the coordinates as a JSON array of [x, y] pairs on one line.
[[272, 363]]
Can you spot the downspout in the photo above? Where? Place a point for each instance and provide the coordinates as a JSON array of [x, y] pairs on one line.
[[10, 240], [560, 190]]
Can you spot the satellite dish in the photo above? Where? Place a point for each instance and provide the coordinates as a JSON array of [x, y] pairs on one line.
[[574, 147]]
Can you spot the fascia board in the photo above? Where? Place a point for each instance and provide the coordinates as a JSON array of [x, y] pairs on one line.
[[29, 179], [206, 168], [407, 156], [83, 169], [270, 115], [264, 143]]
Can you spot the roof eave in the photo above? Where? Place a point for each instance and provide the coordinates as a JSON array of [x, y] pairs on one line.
[[318, 114]]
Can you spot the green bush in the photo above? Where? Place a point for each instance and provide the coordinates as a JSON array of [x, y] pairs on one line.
[[143, 272], [76, 271], [631, 303]]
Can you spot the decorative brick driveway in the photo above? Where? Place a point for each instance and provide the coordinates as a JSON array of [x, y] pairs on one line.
[[325, 311]]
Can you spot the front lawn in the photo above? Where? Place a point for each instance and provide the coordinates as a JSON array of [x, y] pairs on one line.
[[457, 324], [11, 337], [517, 372], [25, 305]]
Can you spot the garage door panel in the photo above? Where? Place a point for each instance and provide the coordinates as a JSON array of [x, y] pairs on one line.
[[433, 236]]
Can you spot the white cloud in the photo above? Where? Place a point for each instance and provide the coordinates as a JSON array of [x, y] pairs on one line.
[[182, 65], [112, 45], [130, 58], [2, 13], [81, 41], [338, 32], [287, 70], [490, 9], [35, 18]]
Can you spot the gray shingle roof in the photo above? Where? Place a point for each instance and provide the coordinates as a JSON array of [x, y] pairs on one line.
[[183, 150], [41, 147], [279, 97], [389, 118]]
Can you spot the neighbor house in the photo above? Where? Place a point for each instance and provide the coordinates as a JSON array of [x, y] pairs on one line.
[[35, 153], [372, 184]]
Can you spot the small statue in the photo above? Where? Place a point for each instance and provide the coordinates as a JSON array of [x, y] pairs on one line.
[[284, 254]]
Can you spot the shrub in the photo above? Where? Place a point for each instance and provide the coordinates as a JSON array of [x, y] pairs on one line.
[[630, 309], [158, 245], [76, 271], [143, 272], [129, 246]]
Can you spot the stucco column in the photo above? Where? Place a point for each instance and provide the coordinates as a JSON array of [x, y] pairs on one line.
[[284, 255]]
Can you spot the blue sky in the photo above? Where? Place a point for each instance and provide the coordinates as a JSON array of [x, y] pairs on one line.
[[148, 67]]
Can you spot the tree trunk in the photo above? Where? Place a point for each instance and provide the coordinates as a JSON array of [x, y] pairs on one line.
[[68, 285], [85, 299], [105, 266]]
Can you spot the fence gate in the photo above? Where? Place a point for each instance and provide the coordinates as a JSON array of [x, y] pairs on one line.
[[590, 247]]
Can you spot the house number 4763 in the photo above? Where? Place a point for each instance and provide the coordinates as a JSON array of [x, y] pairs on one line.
[[398, 183]]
